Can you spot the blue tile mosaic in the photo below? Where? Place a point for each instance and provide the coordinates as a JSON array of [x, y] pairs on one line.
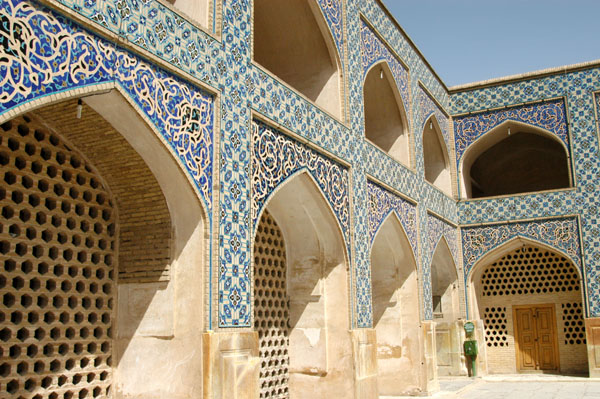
[[373, 52], [49, 55], [550, 116], [437, 230], [561, 234], [276, 158], [45, 54], [382, 203]]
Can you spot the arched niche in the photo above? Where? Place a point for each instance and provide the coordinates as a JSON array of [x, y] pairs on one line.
[[292, 40], [385, 117], [524, 274], [396, 311], [514, 158], [316, 286], [167, 230], [435, 157], [445, 288], [444, 284], [198, 10]]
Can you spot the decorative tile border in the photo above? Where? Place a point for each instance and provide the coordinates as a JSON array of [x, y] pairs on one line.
[[561, 234], [436, 229], [525, 206], [276, 157], [374, 51], [382, 203], [47, 55], [428, 107], [334, 15], [550, 116]]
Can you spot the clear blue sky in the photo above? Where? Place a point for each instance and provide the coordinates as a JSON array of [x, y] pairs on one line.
[[471, 40]]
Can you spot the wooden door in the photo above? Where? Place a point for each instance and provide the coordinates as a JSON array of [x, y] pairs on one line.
[[535, 333]]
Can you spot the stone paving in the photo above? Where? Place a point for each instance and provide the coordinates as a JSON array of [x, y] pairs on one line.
[[518, 387]]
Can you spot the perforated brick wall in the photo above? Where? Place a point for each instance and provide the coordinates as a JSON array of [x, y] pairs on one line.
[[57, 241], [271, 308], [528, 276]]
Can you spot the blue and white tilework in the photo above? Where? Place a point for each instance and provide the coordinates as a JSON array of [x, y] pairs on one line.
[[47, 54], [436, 230], [550, 116], [382, 203], [374, 51], [561, 234], [334, 15], [276, 158], [427, 108]]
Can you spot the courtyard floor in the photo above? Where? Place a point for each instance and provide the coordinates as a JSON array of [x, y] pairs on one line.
[[517, 387]]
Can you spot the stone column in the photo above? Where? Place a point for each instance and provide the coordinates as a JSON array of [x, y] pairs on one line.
[[364, 353], [430, 377], [592, 331], [231, 365]]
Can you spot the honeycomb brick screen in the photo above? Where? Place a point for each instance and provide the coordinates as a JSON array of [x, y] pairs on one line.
[[495, 326], [271, 309], [573, 325], [57, 237], [529, 270]]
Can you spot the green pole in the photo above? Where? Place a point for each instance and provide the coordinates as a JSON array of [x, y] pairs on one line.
[[473, 366]]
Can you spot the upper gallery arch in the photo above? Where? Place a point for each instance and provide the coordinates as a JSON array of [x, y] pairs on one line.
[[531, 137], [306, 56], [386, 97]]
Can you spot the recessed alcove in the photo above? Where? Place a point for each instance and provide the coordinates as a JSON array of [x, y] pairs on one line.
[[512, 159], [435, 156], [292, 41], [198, 10], [385, 117]]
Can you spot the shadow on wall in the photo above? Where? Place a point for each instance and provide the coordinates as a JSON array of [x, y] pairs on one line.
[[317, 287], [304, 57]]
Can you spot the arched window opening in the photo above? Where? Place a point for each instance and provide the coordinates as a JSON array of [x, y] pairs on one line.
[[436, 158], [291, 39], [198, 10], [529, 298], [515, 159], [396, 311], [301, 295], [385, 120]]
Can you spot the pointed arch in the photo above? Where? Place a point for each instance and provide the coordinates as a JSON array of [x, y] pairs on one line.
[[386, 123], [317, 286], [304, 57], [436, 157], [444, 282], [395, 309], [160, 238], [530, 159], [393, 213], [522, 274]]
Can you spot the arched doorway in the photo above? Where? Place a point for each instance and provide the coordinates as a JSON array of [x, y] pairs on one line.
[[301, 296], [435, 157], [529, 297], [93, 230], [396, 311], [385, 117], [446, 311], [514, 158], [304, 57]]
